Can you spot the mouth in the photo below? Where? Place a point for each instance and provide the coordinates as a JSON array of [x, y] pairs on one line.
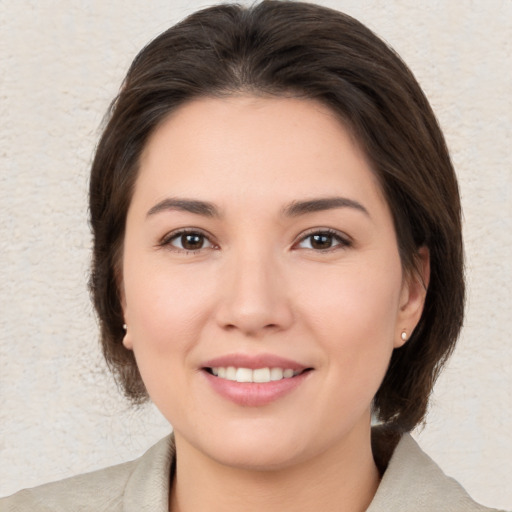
[[254, 375], [254, 381]]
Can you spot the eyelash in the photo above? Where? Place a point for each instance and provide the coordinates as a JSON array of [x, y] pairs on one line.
[[342, 240], [176, 235]]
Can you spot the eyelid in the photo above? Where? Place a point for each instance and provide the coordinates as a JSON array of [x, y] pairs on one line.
[[343, 239], [165, 241]]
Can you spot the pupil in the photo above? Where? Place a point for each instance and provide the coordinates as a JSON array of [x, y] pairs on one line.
[[192, 241], [321, 241]]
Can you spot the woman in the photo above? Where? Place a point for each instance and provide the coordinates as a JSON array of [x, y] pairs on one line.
[[276, 230]]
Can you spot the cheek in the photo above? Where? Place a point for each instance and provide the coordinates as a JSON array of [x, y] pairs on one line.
[[353, 315], [164, 307], [165, 314]]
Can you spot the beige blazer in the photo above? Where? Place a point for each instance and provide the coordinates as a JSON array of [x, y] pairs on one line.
[[412, 482]]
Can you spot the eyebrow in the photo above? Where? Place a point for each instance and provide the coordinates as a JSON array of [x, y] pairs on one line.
[[185, 205], [294, 209], [297, 208]]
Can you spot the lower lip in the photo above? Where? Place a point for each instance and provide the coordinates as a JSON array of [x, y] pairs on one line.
[[254, 394]]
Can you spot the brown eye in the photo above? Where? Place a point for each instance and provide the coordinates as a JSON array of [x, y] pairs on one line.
[[189, 241], [192, 242], [323, 240]]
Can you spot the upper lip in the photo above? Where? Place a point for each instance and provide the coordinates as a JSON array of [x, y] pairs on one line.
[[253, 362]]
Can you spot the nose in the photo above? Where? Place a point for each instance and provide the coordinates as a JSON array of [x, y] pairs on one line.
[[254, 296]]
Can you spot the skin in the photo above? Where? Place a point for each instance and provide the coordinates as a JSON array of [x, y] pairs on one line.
[[258, 284]]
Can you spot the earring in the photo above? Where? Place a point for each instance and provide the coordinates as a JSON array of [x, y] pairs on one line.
[[404, 335], [124, 327]]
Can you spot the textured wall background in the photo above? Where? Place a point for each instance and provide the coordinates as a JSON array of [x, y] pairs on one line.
[[61, 62]]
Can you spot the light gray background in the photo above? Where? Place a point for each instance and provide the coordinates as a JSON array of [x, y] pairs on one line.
[[61, 63]]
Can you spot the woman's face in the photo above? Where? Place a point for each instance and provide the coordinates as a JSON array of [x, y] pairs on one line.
[[262, 285]]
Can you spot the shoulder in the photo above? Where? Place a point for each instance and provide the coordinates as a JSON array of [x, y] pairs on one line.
[[144, 480], [413, 481], [101, 489]]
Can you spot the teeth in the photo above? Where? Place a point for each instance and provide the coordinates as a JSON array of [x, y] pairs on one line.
[[276, 374], [244, 375], [260, 375]]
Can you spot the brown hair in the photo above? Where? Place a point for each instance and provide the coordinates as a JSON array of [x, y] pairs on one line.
[[283, 48]]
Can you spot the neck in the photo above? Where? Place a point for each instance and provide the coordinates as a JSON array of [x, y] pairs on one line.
[[342, 478]]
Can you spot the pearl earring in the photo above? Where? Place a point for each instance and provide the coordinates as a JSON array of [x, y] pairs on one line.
[[404, 335], [124, 327]]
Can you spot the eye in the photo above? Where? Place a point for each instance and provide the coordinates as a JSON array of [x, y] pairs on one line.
[[187, 241], [323, 240]]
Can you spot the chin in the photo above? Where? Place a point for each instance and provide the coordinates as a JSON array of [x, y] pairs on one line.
[[258, 458], [276, 448], [255, 449]]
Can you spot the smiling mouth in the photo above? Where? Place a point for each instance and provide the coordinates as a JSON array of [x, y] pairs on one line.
[[256, 375]]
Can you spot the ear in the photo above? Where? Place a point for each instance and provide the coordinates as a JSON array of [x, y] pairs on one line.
[[412, 297], [127, 341]]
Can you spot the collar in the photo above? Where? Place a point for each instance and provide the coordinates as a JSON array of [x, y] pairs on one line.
[[411, 480]]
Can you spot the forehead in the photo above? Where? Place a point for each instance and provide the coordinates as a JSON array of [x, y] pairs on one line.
[[246, 145]]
